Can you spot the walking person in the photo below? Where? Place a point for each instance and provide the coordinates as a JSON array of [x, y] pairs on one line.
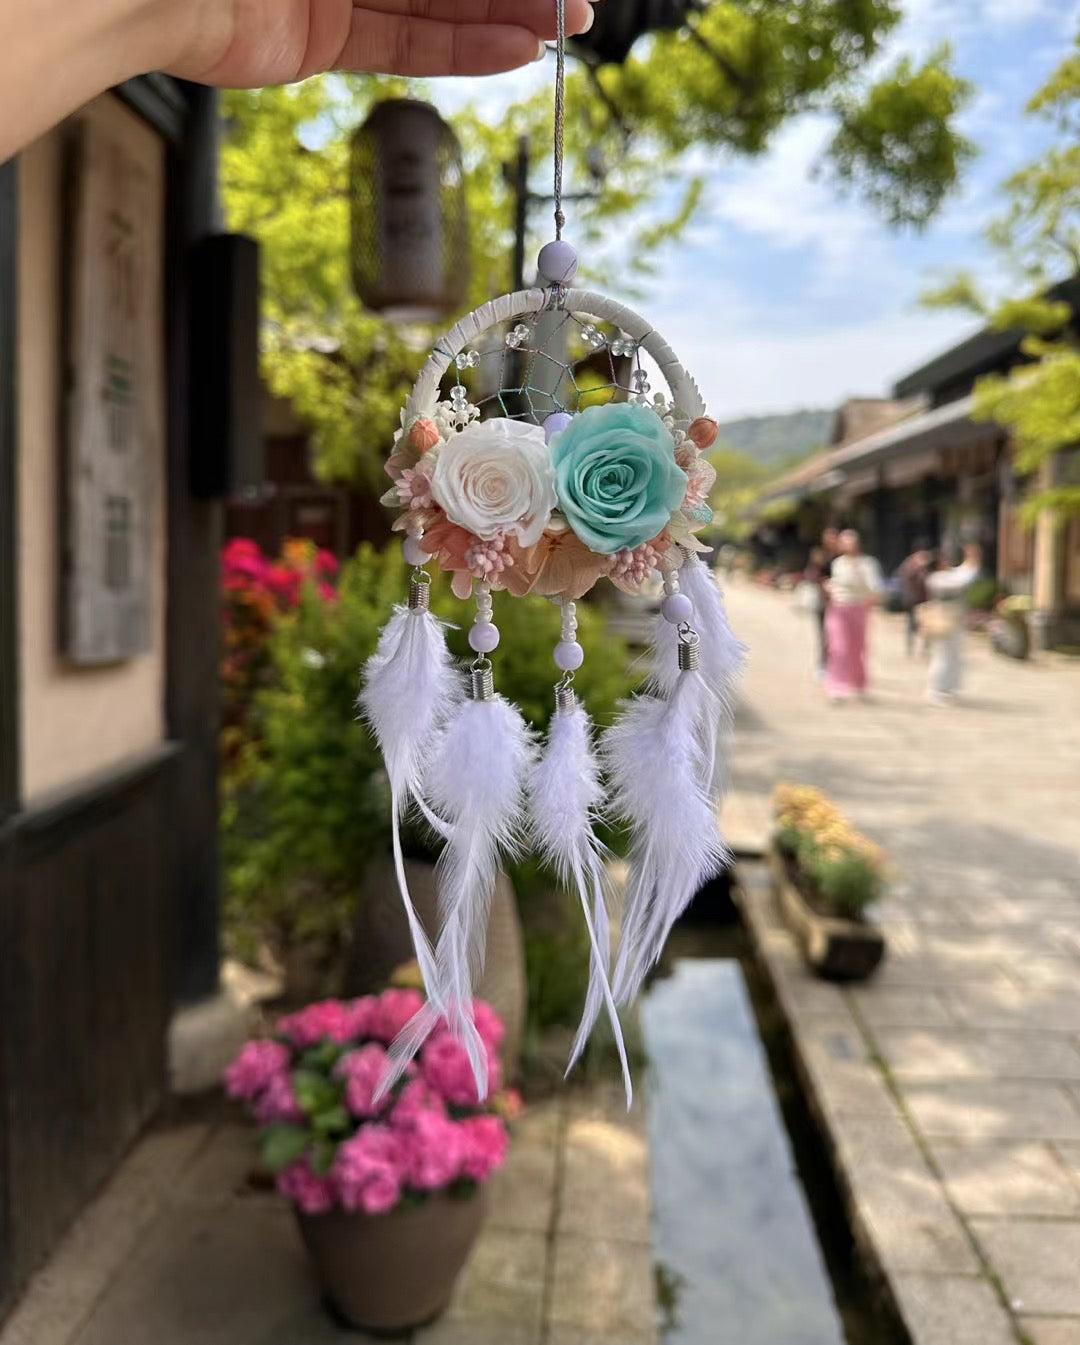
[[948, 589], [854, 589], [812, 599], [913, 573]]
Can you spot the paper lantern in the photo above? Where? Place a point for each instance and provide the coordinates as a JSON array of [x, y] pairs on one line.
[[410, 230]]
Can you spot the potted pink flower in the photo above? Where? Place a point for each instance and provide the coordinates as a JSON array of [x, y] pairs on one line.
[[389, 1194]]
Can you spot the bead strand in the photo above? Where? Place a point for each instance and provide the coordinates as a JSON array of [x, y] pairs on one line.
[[676, 607], [413, 550], [484, 636], [569, 655]]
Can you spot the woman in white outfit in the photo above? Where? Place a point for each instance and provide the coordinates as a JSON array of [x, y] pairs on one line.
[[949, 587]]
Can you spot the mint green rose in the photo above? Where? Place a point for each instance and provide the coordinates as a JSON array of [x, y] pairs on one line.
[[616, 477]]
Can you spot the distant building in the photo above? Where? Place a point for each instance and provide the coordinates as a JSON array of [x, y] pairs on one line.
[[918, 466]]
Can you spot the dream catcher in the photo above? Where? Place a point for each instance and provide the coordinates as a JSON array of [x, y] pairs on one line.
[[535, 457]]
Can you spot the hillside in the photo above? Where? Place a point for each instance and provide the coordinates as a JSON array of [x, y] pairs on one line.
[[774, 439]]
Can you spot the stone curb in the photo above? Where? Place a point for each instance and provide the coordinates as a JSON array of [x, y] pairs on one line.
[[916, 1249]]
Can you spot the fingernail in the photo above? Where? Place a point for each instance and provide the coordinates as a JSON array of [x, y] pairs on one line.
[[588, 22], [541, 51]]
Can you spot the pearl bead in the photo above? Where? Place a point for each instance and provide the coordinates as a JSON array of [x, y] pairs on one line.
[[555, 424], [677, 608], [569, 655], [484, 637], [414, 553], [558, 263]]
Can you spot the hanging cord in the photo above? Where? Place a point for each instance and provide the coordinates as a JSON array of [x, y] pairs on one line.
[[560, 112]]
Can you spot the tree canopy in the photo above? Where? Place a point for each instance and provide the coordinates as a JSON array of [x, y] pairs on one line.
[[1036, 241], [725, 85]]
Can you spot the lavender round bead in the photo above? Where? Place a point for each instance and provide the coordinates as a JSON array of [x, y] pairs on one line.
[[484, 637], [414, 553], [569, 655], [556, 423], [558, 263], [677, 608]]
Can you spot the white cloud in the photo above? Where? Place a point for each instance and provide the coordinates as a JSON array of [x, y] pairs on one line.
[[744, 372]]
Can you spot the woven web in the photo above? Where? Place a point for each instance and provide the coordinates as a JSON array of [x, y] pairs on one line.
[[547, 362]]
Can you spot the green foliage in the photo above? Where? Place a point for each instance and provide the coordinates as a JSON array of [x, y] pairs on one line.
[[306, 804], [840, 866], [897, 145], [983, 594], [306, 807], [281, 1145], [557, 965], [729, 85], [1037, 241], [848, 882]]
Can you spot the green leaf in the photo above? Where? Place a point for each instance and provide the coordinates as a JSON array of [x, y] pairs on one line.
[[283, 1144], [315, 1092], [323, 1153], [335, 1121]]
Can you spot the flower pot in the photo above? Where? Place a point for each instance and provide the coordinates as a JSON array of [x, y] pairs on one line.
[[382, 941], [834, 947], [390, 1273], [1010, 635]]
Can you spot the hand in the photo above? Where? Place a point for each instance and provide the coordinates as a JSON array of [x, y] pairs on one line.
[[248, 43]]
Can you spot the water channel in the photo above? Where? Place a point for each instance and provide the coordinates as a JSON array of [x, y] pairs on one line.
[[750, 1241]]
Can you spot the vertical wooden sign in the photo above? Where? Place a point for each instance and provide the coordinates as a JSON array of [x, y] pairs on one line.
[[114, 414]]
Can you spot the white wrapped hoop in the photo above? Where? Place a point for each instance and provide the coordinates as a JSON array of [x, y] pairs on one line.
[[425, 394]]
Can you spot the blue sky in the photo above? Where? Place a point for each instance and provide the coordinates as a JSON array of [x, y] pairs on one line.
[[786, 295]]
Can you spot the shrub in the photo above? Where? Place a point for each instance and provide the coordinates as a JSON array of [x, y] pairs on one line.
[[842, 868], [254, 590], [984, 594], [306, 802]]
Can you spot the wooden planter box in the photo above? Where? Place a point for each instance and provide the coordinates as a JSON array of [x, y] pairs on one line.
[[835, 948]]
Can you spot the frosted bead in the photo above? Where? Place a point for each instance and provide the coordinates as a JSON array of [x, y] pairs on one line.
[[558, 263], [677, 608], [484, 637], [555, 424], [414, 553], [569, 655]]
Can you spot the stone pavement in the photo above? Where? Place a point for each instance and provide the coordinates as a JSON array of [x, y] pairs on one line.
[[182, 1248], [949, 1086]]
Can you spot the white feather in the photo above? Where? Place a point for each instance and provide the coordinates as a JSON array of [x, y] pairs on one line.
[[657, 763], [410, 687], [476, 782], [723, 657], [565, 795]]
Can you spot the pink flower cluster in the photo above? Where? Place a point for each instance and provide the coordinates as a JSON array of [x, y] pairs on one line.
[[428, 1133], [486, 560], [247, 571]]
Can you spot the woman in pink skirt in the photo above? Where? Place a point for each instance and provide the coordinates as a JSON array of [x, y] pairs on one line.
[[854, 587]]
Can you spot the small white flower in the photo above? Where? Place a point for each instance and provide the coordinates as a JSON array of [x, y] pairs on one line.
[[496, 477], [312, 658]]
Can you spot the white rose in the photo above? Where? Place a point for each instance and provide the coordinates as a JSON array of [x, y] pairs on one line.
[[496, 476]]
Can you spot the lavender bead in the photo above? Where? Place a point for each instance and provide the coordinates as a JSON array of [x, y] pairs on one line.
[[569, 655], [556, 423], [558, 263], [484, 637], [677, 608], [414, 553]]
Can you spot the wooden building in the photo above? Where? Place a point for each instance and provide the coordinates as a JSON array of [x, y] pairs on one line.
[[109, 533], [934, 473]]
